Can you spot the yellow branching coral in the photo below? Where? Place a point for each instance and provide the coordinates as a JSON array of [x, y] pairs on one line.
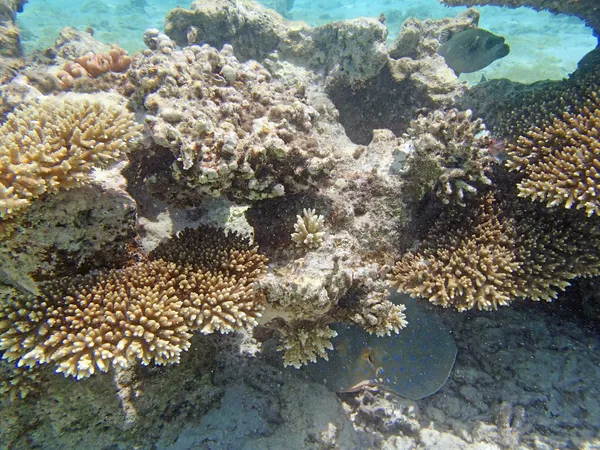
[[496, 252], [377, 315], [463, 266], [308, 230], [305, 343], [450, 156], [145, 312], [55, 144], [561, 163], [226, 299]]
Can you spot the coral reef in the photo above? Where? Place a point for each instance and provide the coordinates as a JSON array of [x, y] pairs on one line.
[[490, 254], [301, 345], [144, 312], [308, 230], [468, 265], [449, 156], [352, 51], [371, 88], [54, 145], [10, 43], [233, 129], [560, 163]]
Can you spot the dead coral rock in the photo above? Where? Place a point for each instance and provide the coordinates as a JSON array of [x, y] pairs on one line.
[[351, 50], [10, 41], [72, 43], [70, 232], [233, 129], [421, 38]]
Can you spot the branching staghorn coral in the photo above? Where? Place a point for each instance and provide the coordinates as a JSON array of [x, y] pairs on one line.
[[54, 144], [561, 162], [304, 343], [488, 255], [145, 312], [308, 230], [450, 156]]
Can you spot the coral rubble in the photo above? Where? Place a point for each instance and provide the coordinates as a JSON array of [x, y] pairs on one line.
[[146, 311], [560, 164]]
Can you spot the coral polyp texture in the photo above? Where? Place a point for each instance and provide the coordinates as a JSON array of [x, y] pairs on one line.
[[308, 229], [496, 251], [225, 299], [560, 163], [146, 312], [55, 144], [449, 155], [304, 343], [233, 130]]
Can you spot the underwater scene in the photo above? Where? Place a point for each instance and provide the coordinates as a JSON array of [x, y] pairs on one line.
[[294, 224]]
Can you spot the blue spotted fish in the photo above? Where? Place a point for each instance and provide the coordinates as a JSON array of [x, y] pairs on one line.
[[413, 364]]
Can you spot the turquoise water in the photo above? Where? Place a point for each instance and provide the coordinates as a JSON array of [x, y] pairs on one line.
[[543, 46]]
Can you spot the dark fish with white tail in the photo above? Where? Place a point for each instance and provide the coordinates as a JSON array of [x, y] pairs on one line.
[[471, 50]]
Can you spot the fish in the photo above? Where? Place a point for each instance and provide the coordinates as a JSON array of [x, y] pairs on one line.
[[471, 50], [413, 364]]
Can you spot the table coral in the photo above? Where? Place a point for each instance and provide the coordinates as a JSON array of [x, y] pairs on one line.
[[145, 312], [450, 156], [488, 255], [55, 144], [560, 163]]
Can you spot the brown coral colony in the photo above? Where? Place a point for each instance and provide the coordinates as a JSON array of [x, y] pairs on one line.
[[146, 312]]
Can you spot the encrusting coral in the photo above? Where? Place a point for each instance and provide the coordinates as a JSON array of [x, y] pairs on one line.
[[561, 162], [145, 312], [93, 65], [450, 156], [488, 255], [308, 230], [54, 144], [302, 344]]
